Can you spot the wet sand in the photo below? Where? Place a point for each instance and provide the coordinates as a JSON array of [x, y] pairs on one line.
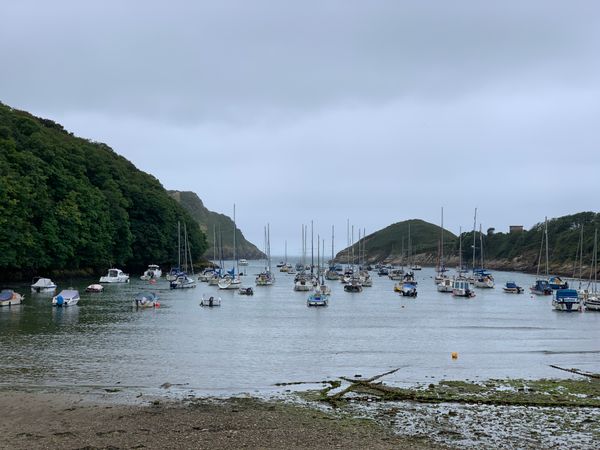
[[47, 420]]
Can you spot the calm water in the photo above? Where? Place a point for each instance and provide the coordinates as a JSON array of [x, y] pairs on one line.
[[250, 343]]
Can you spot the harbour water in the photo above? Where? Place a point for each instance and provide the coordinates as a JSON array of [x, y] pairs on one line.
[[250, 343]]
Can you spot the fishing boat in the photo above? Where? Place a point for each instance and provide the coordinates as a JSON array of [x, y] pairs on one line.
[[408, 290], [146, 300], [94, 288], [67, 297], [566, 300], [210, 301], [115, 276], [8, 297], [152, 272], [512, 288], [317, 299], [39, 284], [462, 288]]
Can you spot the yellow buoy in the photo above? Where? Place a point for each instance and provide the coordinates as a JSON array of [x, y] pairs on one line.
[[454, 355]]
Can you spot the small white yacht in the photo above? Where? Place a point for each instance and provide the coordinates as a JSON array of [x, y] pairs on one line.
[[243, 262], [8, 297], [67, 297], [115, 276], [153, 272], [40, 284]]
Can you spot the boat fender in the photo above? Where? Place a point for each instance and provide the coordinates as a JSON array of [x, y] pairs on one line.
[[60, 300]]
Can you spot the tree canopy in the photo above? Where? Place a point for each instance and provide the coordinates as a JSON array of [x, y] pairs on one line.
[[67, 203]]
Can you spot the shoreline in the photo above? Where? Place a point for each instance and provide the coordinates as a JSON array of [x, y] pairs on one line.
[[36, 420]]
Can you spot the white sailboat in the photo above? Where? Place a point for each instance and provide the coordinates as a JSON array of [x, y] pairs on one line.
[[183, 280], [231, 280], [266, 278]]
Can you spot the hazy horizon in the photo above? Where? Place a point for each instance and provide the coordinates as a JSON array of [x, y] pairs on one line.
[[376, 112]]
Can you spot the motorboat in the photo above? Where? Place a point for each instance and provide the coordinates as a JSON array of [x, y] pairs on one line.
[[483, 279], [566, 300], [66, 297], [40, 284], [394, 274], [302, 284], [383, 271], [210, 301], [409, 277], [353, 286], [8, 297], [511, 288], [153, 272], [317, 299], [541, 287], [246, 291], [115, 276], [243, 262], [146, 300], [462, 288], [446, 285], [408, 290], [183, 281], [557, 283], [94, 288], [416, 267]]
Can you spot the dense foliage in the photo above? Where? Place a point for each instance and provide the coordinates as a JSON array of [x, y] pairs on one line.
[[67, 203], [212, 224], [563, 240]]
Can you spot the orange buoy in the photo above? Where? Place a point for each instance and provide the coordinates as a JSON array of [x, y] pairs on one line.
[[454, 355]]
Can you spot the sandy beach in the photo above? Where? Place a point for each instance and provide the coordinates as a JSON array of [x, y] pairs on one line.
[[47, 420]]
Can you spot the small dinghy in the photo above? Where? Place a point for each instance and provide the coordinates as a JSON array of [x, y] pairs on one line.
[[94, 288], [210, 301], [8, 297], [246, 291], [511, 288], [67, 297], [146, 300]]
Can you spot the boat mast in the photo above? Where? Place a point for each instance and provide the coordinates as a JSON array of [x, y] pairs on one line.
[[442, 245], [546, 233], [481, 245], [237, 269], [312, 249], [460, 264], [332, 234], [269, 247], [189, 249], [474, 231], [179, 246]]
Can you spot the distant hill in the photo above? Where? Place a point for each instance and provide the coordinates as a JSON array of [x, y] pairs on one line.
[[387, 244], [70, 205], [210, 221]]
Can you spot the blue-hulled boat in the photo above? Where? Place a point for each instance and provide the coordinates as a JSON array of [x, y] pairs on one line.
[[557, 283], [317, 299], [566, 300], [541, 287], [511, 288]]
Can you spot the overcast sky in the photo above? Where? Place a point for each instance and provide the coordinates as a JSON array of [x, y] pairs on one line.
[[375, 111]]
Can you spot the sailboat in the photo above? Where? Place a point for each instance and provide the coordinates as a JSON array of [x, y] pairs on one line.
[[182, 279], [441, 268], [320, 297], [231, 280], [541, 285], [483, 278], [591, 299], [266, 277]]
